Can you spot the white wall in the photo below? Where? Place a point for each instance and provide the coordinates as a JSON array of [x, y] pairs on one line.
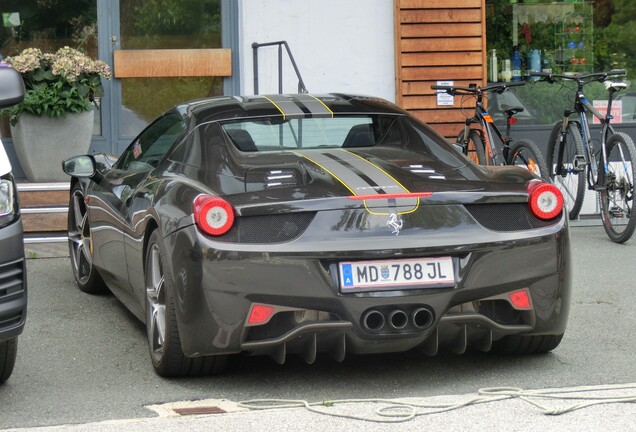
[[339, 45]]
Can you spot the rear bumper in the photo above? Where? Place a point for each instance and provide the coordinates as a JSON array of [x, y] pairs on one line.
[[13, 281], [215, 290]]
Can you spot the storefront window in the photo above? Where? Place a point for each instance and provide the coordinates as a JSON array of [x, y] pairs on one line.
[[567, 36], [166, 24], [48, 25]]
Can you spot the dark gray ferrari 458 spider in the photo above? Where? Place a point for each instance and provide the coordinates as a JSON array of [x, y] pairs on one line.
[[305, 224]]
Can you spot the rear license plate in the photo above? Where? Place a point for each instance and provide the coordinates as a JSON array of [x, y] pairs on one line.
[[388, 274]]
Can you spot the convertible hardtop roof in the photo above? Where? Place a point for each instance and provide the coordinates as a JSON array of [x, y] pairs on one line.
[[288, 106]]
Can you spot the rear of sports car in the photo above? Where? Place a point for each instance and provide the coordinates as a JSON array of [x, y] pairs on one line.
[[371, 250]]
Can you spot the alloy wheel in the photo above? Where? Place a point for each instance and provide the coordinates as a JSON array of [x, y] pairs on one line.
[[156, 303], [79, 238]]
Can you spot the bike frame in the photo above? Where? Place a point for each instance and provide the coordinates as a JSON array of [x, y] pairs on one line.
[[582, 106], [488, 126]]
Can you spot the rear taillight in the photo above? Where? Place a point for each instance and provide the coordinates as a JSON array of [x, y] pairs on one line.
[[546, 200], [213, 215]]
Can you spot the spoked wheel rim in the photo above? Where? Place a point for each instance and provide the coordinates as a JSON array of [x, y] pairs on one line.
[[617, 194], [618, 198], [568, 185], [79, 239], [532, 166], [156, 303], [525, 160]]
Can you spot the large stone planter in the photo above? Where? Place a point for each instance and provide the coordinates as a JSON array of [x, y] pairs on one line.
[[42, 143]]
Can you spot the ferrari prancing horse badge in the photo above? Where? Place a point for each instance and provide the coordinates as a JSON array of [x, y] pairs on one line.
[[395, 222]]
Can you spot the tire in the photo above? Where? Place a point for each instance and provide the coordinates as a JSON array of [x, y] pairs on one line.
[[570, 182], [475, 148], [80, 245], [617, 188], [162, 327], [526, 154], [8, 353], [524, 345]]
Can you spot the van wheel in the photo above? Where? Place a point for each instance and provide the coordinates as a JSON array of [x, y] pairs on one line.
[[8, 353]]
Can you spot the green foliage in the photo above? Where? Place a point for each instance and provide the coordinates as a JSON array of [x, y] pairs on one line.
[[624, 11], [54, 100], [57, 84], [498, 25], [620, 50], [169, 17]]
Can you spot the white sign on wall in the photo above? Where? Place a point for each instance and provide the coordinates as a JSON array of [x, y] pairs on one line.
[[443, 98]]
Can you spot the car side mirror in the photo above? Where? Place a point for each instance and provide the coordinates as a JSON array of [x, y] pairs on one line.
[[11, 86], [80, 166]]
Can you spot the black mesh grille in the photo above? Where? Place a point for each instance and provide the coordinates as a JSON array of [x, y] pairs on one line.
[[276, 228], [11, 290], [507, 217], [11, 281]]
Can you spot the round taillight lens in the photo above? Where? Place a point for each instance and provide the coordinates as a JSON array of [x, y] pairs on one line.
[[213, 215], [546, 200]]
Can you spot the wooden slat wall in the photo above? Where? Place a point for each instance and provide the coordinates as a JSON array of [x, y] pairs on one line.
[[438, 40]]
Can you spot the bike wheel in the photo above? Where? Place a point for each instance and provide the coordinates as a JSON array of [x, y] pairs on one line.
[[526, 154], [569, 176], [474, 148], [617, 188]]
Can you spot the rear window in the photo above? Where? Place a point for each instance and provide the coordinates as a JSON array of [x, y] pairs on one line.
[[301, 133], [343, 131]]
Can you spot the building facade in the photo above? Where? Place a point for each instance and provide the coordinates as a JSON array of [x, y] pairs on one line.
[[166, 51]]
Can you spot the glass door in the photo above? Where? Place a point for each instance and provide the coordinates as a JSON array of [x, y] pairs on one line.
[[102, 27], [154, 27]]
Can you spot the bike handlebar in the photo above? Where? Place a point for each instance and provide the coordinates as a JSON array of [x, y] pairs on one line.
[[581, 78], [475, 89]]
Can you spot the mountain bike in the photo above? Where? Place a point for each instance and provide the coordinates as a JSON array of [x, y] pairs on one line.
[[479, 143], [609, 169]]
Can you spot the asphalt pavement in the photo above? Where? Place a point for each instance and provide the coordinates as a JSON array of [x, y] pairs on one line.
[[83, 366]]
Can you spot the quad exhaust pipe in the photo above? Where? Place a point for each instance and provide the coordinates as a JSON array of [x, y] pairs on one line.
[[397, 319], [422, 318], [373, 320]]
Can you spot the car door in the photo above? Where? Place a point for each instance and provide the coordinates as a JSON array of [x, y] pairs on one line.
[[123, 200], [138, 193]]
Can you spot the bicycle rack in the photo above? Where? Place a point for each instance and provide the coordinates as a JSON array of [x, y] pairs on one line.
[[256, 46]]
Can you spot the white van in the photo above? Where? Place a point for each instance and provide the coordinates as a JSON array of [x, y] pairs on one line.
[[13, 281]]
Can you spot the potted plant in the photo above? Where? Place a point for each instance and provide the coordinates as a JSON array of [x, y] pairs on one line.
[[55, 120]]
